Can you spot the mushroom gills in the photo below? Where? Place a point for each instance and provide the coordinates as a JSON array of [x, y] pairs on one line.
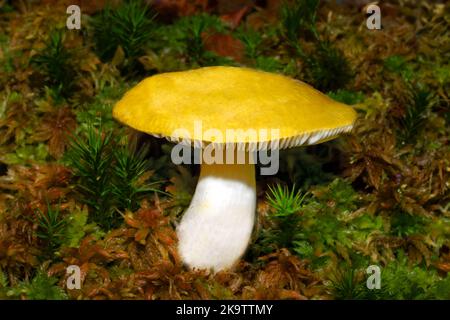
[[216, 228]]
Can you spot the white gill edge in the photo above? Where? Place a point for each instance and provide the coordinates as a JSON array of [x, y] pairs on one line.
[[307, 138]]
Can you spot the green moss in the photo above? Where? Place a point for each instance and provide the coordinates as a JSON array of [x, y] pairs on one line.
[[399, 281], [7, 60], [298, 17], [54, 62], [128, 26], [443, 74], [420, 101], [78, 227], [412, 282], [269, 64], [91, 159], [319, 224], [193, 29], [398, 64], [252, 41], [404, 224], [41, 287], [27, 153], [328, 68], [98, 112], [6, 8], [347, 97], [51, 227], [109, 175]]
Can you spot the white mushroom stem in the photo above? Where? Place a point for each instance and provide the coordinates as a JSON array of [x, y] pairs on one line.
[[215, 230]]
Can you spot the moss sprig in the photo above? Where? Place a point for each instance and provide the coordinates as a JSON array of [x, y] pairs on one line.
[[129, 26], [110, 176], [53, 61]]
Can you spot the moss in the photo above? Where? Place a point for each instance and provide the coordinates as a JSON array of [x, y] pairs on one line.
[[379, 196], [128, 26], [41, 287]]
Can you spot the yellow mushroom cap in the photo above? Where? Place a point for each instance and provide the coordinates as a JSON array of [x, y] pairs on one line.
[[232, 98]]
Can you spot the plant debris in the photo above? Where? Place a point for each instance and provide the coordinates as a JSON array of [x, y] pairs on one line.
[[77, 188]]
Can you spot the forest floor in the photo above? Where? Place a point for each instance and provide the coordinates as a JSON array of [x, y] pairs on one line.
[[75, 190]]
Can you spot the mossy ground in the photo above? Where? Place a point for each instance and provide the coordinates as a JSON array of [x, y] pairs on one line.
[[75, 189]]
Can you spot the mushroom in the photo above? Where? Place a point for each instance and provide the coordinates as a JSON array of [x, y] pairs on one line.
[[216, 228]]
